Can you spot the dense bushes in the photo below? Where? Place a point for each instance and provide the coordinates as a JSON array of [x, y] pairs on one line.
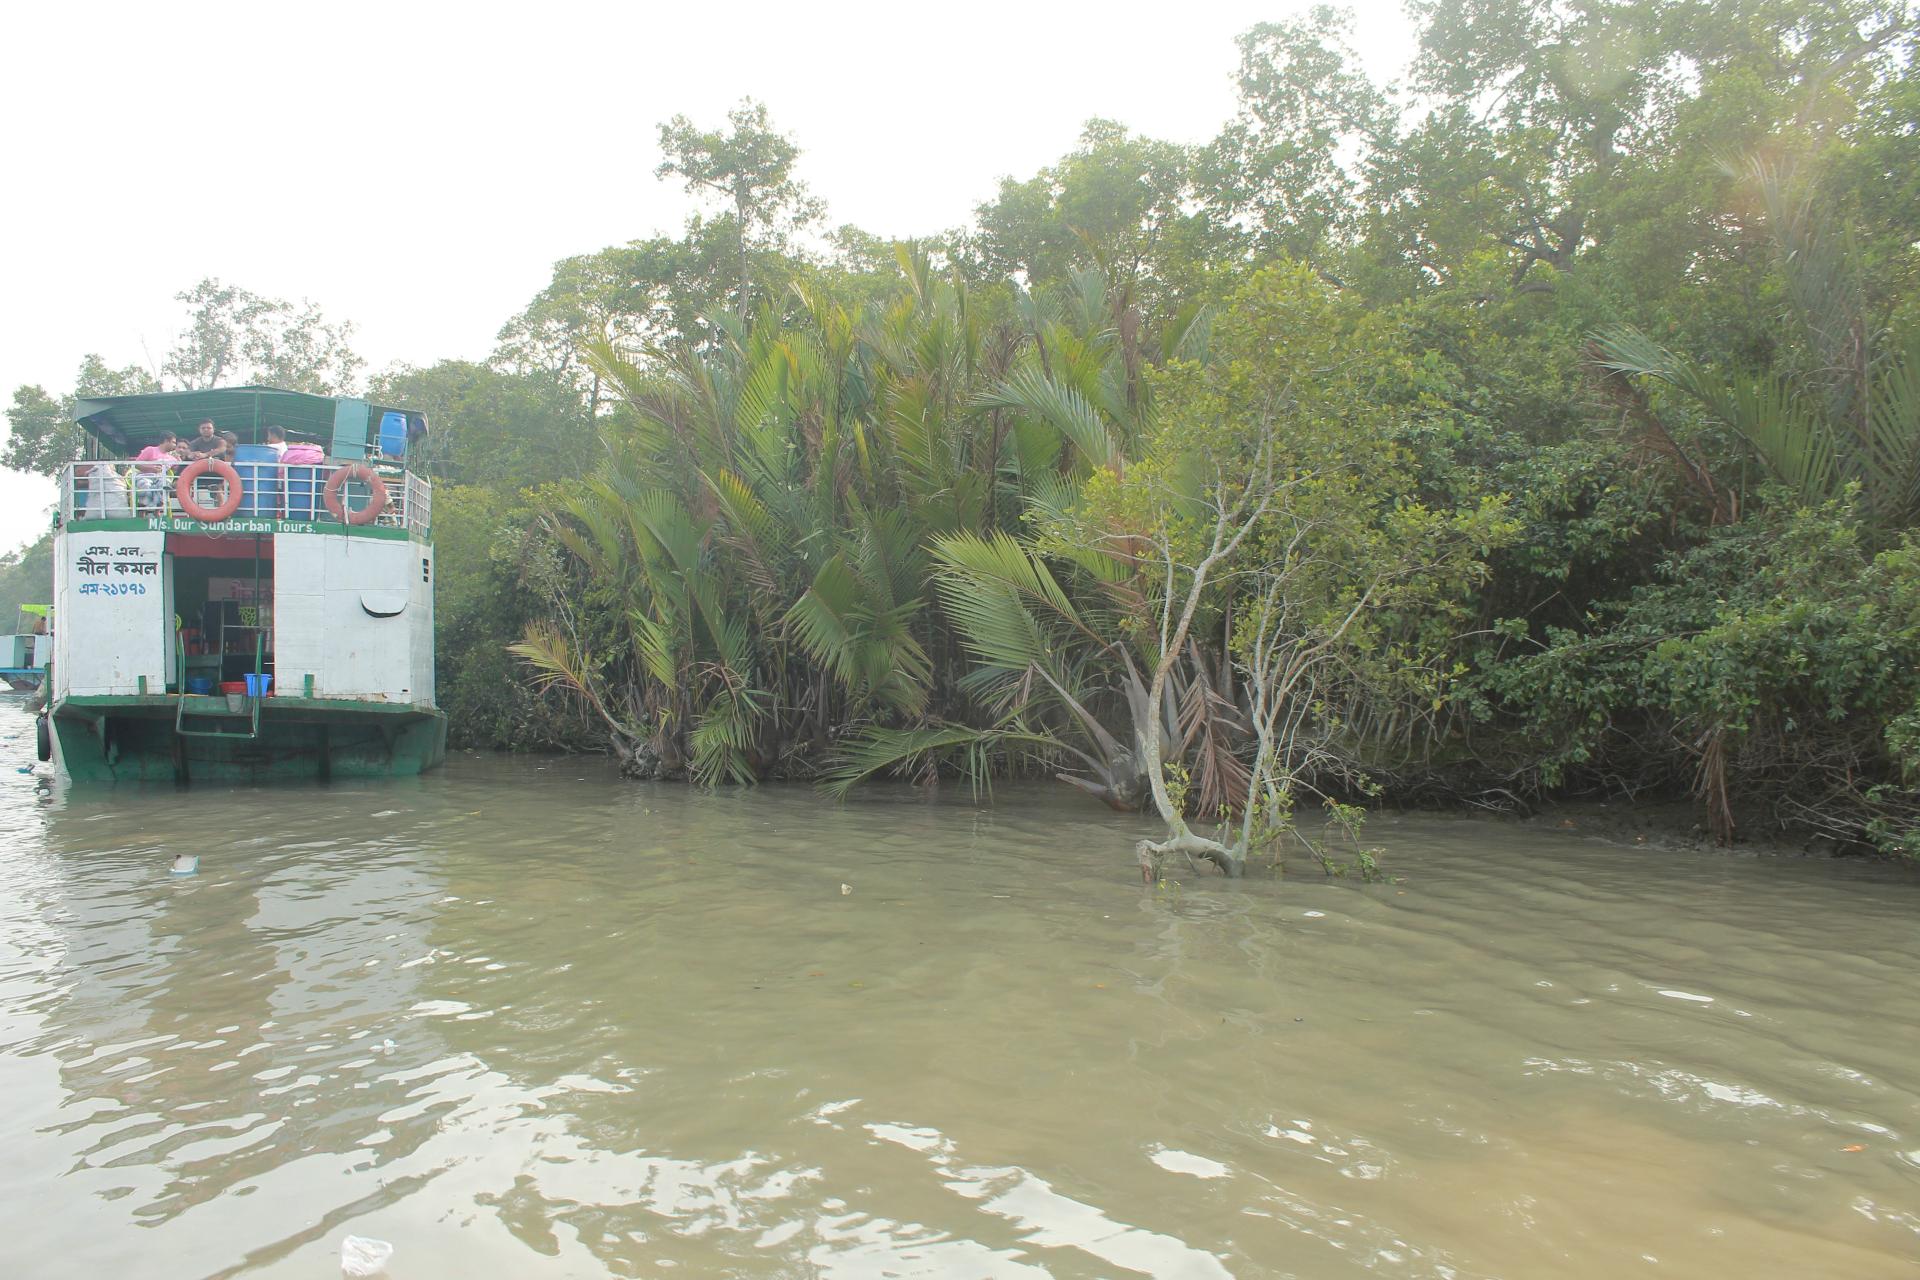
[[1772, 667], [1576, 399], [927, 509]]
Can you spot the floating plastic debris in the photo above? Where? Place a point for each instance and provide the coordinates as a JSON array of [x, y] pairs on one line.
[[183, 864], [364, 1256]]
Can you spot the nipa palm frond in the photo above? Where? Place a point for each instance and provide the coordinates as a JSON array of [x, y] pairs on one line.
[[1032, 392], [900, 750], [1783, 428]]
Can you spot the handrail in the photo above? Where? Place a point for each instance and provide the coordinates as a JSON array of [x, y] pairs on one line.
[[119, 489]]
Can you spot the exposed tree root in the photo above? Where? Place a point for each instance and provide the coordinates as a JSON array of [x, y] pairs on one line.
[[1191, 847]]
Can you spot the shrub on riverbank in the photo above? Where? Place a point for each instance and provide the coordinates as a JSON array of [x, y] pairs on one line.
[[860, 510], [1562, 440]]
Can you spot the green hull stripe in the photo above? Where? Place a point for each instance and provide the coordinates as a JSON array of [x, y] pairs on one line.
[[148, 703], [241, 524]]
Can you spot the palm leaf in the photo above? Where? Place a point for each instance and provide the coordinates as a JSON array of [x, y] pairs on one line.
[[897, 750], [1060, 406], [1783, 428], [1892, 456]]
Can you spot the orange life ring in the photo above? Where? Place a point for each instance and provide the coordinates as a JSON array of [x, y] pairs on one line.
[[183, 490], [376, 499]]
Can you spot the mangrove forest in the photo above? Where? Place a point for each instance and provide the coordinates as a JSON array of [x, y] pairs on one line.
[[1543, 426]]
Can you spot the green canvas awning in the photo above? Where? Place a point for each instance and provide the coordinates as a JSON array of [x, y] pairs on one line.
[[127, 424]]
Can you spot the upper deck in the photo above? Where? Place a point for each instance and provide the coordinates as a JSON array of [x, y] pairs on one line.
[[319, 438], [115, 494]]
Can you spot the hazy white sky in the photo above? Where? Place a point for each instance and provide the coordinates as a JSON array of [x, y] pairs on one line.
[[417, 168]]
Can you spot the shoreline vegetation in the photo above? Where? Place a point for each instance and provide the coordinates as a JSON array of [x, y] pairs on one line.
[[1541, 431]]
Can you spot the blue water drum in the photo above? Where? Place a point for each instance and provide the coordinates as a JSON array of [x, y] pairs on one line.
[[259, 468], [304, 487], [393, 435]]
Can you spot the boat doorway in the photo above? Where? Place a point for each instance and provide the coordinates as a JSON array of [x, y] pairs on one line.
[[222, 610]]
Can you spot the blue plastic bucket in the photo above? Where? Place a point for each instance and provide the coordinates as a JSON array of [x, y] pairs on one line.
[[200, 684], [259, 685], [304, 487], [393, 435], [259, 468]]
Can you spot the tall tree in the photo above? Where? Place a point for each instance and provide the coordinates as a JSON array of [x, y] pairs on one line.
[[748, 168], [1115, 202], [504, 430], [1285, 174], [235, 336], [42, 436]]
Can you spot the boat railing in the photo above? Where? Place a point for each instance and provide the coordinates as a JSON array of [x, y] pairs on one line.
[[120, 489]]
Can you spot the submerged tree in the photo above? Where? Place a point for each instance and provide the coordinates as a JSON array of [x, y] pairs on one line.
[[1271, 499]]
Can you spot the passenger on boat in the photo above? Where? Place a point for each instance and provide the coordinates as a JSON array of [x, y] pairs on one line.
[[168, 450], [206, 443], [212, 446], [149, 481], [277, 441]]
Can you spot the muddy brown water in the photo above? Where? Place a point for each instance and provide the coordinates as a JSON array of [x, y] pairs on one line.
[[523, 1020]]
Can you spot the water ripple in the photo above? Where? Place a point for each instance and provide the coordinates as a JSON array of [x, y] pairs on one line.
[[546, 1023]]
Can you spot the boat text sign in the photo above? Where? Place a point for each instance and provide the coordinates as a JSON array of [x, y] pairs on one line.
[[180, 524], [111, 597], [111, 569]]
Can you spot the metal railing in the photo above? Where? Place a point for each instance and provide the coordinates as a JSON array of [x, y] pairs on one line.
[[118, 489]]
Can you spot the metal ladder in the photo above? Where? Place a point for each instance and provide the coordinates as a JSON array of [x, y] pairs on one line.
[[217, 712], [200, 706]]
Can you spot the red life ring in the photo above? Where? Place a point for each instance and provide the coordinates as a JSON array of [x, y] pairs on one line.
[[376, 500], [183, 490]]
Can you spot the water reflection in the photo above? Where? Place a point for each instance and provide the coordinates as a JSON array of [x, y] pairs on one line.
[[526, 1023]]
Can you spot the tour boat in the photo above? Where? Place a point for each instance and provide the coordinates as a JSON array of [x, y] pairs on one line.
[[24, 654], [258, 617]]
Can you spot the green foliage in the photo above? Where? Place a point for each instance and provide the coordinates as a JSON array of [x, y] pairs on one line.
[[502, 430], [1555, 418], [26, 577], [748, 169], [1840, 406], [234, 338], [1361, 314], [781, 509], [42, 436], [495, 574], [1773, 665], [1115, 203]]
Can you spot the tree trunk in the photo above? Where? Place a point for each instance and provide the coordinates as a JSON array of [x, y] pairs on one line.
[[1180, 839]]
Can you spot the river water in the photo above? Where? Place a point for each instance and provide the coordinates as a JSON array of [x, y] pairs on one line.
[[522, 1019]]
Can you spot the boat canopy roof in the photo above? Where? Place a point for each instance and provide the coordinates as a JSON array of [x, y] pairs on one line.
[[37, 610], [127, 424]]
